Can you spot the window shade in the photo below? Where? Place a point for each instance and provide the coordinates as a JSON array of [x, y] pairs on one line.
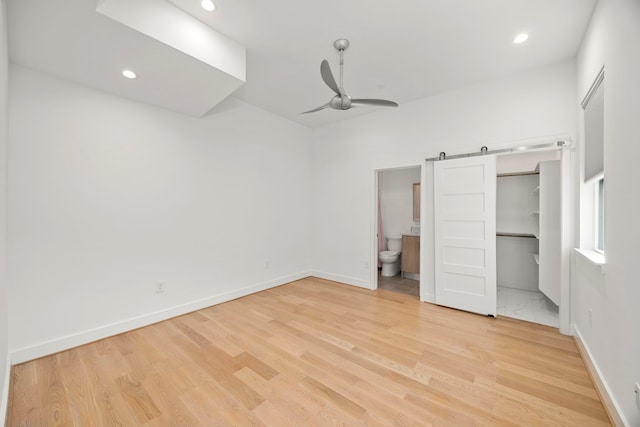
[[594, 130]]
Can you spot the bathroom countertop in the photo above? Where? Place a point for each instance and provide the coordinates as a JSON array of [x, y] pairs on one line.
[[411, 234]]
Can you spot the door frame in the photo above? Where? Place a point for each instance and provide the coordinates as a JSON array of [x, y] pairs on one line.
[[427, 234], [373, 260]]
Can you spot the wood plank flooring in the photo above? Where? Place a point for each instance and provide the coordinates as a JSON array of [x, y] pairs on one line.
[[314, 352]]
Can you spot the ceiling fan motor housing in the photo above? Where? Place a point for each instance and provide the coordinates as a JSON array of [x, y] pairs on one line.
[[341, 44], [340, 103]]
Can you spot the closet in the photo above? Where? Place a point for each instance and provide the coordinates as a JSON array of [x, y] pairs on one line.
[[528, 236], [497, 232]]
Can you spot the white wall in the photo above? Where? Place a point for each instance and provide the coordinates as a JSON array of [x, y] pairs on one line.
[[108, 196], [396, 200], [612, 337], [4, 360], [528, 105], [515, 203], [524, 161]]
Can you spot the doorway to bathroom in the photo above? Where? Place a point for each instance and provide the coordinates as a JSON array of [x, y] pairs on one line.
[[397, 230]]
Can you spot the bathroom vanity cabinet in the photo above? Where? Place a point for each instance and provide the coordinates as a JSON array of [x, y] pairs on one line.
[[410, 254]]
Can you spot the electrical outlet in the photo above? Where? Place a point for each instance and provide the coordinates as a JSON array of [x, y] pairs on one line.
[[160, 287], [637, 391], [266, 264], [366, 265]]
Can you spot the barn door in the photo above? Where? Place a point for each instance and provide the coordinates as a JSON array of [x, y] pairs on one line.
[[465, 234]]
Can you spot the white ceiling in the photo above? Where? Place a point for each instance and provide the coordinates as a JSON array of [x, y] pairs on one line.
[[399, 51]]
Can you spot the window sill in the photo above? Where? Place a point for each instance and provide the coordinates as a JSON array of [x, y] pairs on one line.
[[594, 258]]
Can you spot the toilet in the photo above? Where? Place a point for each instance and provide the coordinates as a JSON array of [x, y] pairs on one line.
[[390, 258]]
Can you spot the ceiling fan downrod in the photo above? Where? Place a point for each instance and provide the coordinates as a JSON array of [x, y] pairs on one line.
[[341, 45]]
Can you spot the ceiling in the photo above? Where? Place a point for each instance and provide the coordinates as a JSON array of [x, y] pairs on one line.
[[401, 51]]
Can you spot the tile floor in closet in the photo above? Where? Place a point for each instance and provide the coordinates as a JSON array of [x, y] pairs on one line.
[[532, 306]]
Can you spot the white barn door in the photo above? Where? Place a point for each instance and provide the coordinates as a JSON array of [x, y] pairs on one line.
[[465, 234]]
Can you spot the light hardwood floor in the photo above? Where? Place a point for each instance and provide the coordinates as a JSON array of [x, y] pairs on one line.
[[314, 352]]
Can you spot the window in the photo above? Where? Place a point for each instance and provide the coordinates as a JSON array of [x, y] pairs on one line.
[[599, 246], [593, 194], [593, 106]]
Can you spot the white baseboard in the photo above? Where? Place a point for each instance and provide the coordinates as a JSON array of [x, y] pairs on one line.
[[610, 405], [411, 276], [429, 298], [342, 279], [64, 343], [4, 398]]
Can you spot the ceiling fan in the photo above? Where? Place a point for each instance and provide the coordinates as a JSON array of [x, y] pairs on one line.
[[342, 101]]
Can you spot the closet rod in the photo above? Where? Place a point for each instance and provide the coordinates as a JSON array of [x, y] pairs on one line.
[[500, 175], [505, 234], [483, 151]]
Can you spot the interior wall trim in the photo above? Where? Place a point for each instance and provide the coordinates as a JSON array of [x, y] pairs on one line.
[[66, 342], [341, 279], [485, 151], [4, 398], [594, 87], [610, 405], [430, 298]]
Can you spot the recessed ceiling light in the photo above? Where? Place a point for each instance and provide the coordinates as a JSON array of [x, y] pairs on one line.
[[208, 5], [521, 38], [129, 74]]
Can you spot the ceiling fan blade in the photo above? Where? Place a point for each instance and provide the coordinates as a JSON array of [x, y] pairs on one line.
[[322, 107], [327, 76], [379, 102]]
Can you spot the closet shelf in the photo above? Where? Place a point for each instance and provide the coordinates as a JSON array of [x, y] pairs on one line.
[[505, 234], [500, 175]]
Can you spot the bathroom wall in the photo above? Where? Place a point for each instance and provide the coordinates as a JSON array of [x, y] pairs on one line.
[[108, 197], [396, 199], [606, 315]]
